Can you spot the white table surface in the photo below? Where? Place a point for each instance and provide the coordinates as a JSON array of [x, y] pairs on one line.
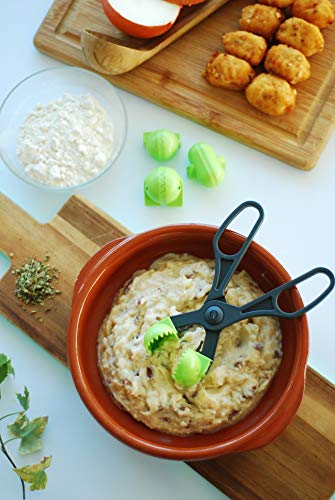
[[298, 230]]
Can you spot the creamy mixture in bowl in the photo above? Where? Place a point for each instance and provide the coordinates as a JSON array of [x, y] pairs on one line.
[[247, 356]]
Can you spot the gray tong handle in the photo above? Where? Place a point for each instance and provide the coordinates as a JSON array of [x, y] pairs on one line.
[[265, 305], [226, 264]]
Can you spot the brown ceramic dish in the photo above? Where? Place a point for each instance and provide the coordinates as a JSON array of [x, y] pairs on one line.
[[97, 284]]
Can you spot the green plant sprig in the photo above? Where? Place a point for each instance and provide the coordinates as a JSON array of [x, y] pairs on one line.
[[29, 432]]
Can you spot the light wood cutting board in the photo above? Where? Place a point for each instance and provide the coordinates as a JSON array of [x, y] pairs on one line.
[[298, 465], [173, 79]]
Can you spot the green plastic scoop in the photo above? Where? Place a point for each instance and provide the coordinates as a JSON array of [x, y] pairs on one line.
[[161, 144], [156, 336], [205, 166], [163, 186]]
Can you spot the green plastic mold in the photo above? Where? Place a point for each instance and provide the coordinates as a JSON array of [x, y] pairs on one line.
[[163, 186], [205, 166], [161, 144], [158, 334], [190, 368]]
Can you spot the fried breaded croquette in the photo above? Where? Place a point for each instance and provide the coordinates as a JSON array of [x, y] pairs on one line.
[[228, 72], [301, 35], [261, 19], [320, 13], [288, 63], [271, 94], [247, 46], [281, 4]]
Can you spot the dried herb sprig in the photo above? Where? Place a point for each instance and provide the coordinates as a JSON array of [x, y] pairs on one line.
[[34, 281], [29, 432]]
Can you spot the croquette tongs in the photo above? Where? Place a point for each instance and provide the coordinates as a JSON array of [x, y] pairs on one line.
[[216, 314]]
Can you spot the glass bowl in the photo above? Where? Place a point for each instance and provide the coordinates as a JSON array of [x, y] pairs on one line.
[[45, 86]]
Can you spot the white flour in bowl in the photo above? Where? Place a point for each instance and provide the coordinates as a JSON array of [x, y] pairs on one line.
[[66, 141]]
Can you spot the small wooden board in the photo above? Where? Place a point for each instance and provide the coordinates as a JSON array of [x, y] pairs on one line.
[[298, 465], [173, 79]]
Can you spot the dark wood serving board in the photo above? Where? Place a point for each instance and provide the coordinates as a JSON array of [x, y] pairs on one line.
[[298, 465], [172, 78]]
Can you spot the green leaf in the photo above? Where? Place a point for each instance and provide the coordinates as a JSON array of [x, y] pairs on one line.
[[35, 474], [32, 440], [29, 432], [24, 398], [3, 359], [17, 429], [5, 367]]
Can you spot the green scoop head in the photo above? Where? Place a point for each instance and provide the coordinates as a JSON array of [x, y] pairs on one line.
[[163, 186], [190, 367], [161, 144]]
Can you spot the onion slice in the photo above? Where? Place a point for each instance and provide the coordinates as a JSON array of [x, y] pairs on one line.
[[141, 18], [186, 3]]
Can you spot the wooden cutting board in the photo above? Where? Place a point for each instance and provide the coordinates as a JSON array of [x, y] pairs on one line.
[[298, 465], [173, 79]]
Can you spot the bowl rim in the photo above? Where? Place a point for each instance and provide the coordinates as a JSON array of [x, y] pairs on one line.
[[262, 433], [65, 189]]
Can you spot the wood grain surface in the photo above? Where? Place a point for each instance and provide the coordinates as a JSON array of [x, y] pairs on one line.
[[77, 231], [173, 79], [116, 53], [298, 465]]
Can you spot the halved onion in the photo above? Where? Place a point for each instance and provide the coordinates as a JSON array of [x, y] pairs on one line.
[[186, 3], [141, 18]]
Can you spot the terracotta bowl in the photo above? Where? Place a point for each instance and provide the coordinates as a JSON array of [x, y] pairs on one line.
[[95, 289]]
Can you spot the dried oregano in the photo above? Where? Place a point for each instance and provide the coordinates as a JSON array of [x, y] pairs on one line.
[[34, 281]]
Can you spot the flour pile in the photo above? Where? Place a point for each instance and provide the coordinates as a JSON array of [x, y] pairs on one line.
[[66, 141]]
